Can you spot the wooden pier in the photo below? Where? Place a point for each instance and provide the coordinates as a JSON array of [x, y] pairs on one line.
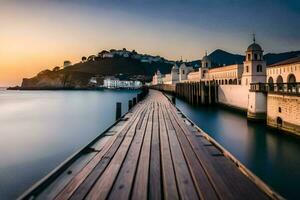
[[153, 152]]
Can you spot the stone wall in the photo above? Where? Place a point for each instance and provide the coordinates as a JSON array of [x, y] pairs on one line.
[[285, 108], [234, 96]]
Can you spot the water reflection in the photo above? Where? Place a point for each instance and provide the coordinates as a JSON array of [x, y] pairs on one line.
[[40, 129], [272, 156]]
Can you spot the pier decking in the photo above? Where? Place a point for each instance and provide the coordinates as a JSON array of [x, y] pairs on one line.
[[154, 152]]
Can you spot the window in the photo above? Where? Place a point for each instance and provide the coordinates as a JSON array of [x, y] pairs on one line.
[[259, 68], [270, 80], [291, 78], [255, 56], [249, 56], [279, 109], [182, 71], [247, 69], [206, 64]]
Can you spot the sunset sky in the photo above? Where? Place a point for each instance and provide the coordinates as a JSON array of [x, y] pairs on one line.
[[40, 34]]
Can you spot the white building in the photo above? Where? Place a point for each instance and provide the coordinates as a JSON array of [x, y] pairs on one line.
[[113, 83]]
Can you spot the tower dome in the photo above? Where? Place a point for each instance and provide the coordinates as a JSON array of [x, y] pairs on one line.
[[254, 47]]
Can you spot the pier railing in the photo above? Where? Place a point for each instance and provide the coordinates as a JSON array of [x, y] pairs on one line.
[[280, 88]]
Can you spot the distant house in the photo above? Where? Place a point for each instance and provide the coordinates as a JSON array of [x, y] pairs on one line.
[[67, 63], [112, 83], [93, 81], [108, 55], [91, 58]]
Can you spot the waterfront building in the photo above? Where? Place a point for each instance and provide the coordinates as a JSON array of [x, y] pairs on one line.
[[287, 71], [184, 70], [114, 83], [283, 95], [157, 78]]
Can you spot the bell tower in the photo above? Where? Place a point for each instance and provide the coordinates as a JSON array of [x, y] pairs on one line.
[[254, 65], [205, 66]]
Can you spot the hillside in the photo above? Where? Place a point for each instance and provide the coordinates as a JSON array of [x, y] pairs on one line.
[[79, 74], [126, 65], [220, 57]]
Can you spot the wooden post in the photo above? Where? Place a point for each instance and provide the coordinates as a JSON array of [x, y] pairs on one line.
[[129, 104], [118, 110], [216, 92], [209, 92], [138, 97], [202, 85], [174, 100]]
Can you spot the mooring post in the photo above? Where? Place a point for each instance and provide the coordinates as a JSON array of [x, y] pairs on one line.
[[118, 110], [138, 96], [209, 92], [202, 84], [129, 104], [174, 100], [216, 92], [134, 101]]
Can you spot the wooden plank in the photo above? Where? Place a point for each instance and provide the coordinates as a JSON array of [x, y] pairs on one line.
[[124, 180], [155, 189], [80, 185], [168, 174], [234, 186], [206, 162], [185, 182], [101, 188], [203, 184], [140, 188], [61, 181]]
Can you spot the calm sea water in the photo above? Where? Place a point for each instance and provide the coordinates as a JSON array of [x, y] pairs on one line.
[[272, 156], [40, 129]]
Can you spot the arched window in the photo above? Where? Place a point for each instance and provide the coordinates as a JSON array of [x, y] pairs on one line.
[[222, 82], [255, 56], [247, 69], [259, 68], [279, 82], [235, 81], [249, 56], [270, 80], [279, 79], [271, 85], [230, 82], [226, 82], [291, 78]]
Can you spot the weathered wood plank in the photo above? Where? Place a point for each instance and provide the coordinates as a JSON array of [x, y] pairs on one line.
[[124, 181], [155, 189], [82, 183], [235, 185], [101, 188], [140, 188], [203, 184], [185, 182], [168, 174]]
